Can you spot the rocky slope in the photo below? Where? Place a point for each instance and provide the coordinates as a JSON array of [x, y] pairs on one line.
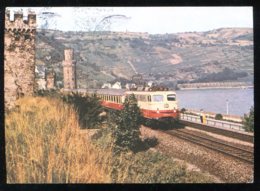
[[164, 58]]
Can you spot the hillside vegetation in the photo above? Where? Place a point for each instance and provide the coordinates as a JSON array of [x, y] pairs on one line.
[[108, 56]]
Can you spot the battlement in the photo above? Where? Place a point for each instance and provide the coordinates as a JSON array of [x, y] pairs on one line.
[[17, 21]]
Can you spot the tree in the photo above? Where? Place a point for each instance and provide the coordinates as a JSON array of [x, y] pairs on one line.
[[127, 133], [183, 110], [218, 116], [248, 120], [88, 109]]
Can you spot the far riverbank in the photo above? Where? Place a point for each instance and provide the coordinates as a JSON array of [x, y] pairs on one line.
[[216, 85], [219, 87]]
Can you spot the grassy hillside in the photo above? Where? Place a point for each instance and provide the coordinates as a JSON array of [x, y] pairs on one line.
[[44, 145], [106, 56]]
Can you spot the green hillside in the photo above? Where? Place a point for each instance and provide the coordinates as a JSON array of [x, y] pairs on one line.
[[165, 58]]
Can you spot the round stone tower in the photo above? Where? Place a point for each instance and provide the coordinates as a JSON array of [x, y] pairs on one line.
[[69, 70]]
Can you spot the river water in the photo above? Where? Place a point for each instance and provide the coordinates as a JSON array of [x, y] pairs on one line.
[[236, 101]]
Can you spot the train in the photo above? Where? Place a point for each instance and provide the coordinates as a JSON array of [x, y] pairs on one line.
[[156, 105]]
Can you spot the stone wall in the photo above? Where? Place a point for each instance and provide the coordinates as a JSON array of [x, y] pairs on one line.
[[41, 84], [19, 56], [50, 79], [69, 70]]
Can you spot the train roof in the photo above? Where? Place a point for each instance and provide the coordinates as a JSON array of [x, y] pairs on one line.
[[104, 91]]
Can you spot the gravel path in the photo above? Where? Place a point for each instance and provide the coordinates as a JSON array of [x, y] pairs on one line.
[[226, 169]]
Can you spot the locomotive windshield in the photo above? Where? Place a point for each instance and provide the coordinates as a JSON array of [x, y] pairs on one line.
[[157, 98], [171, 97]]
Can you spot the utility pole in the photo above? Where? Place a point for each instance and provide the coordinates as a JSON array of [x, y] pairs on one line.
[[227, 105]]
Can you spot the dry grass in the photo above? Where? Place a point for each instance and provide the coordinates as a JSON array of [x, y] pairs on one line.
[[44, 145]]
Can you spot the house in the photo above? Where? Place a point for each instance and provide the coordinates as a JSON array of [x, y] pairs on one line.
[[129, 86], [117, 85], [106, 86]]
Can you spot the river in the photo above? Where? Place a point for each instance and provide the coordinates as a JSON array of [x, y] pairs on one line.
[[236, 101]]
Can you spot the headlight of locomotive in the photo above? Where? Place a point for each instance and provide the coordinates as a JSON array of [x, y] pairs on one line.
[[166, 105]]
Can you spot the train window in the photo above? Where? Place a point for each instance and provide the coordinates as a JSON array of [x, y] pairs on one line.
[[171, 97], [149, 98], [142, 98], [157, 98]]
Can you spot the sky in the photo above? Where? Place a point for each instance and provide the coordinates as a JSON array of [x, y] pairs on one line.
[[154, 20]]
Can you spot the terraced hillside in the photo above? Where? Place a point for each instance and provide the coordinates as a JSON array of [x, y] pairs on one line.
[[164, 58]]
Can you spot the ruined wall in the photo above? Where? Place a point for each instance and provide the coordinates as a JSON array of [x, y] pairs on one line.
[[69, 70], [41, 84], [50, 79], [19, 56]]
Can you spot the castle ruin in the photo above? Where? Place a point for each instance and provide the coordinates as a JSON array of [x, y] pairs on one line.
[[19, 55], [69, 70], [50, 80]]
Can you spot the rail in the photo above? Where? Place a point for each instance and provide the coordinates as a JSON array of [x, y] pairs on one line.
[[216, 145], [212, 122]]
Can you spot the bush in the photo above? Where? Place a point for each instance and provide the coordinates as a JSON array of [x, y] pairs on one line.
[[88, 108], [127, 132], [183, 110], [48, 93], [218, 116], [152, 167], [150, 142], [248, 121]]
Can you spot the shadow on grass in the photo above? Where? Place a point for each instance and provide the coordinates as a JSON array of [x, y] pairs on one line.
[[146, 144]]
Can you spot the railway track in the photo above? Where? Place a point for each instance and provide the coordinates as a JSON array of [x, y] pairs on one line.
[[216, 145]]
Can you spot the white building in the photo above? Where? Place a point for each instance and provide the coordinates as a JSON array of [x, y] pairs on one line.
[[41, 83], [117, 85], [129, 86], [106, 86], [150, 84]]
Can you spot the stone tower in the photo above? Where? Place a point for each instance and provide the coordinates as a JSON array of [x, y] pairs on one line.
[[19, 55], [69, 70]]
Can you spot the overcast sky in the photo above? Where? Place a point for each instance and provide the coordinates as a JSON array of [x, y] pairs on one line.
[[153, 20]]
